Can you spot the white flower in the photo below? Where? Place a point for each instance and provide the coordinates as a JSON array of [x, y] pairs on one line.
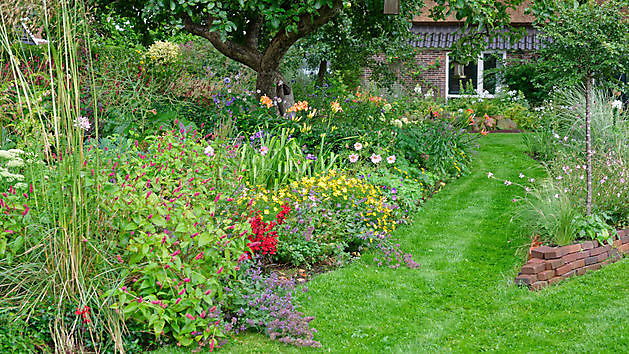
[[209, 151], [6, 154], [82, 123], [532, 180], [556, 196], [507, 183], [527, 189], [391, 159], [358, 146], [264, 150], [418, 89], [617, 104], [17, 162], [375, 158], [353, 158], [489, 175], [521, 175]]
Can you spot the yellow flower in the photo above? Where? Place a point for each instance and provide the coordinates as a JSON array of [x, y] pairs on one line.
[[336, 107]]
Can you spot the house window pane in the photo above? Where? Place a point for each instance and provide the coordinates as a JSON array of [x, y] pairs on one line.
[[458, 85], [491, 77]]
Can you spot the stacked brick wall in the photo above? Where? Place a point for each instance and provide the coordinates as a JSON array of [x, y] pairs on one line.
[[434, 79], [550, 265]]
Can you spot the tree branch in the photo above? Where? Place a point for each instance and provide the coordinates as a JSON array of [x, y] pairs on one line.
[[249, 56], [307, 24]]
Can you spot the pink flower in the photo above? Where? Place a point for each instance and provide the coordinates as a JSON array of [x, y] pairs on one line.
[[186, 280], [489, 175], [192, 318], [391, 159], [119, 258], [177, 301], [199, 256], [375, 158], [358, 146], [507, 183], [220, 270], [353, 158], [182, 291], [25, 210], [264, 150]]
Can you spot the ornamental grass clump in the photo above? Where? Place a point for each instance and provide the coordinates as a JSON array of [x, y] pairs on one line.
[[57, 252]]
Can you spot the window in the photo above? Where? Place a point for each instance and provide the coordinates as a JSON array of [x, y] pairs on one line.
[[477, 76]]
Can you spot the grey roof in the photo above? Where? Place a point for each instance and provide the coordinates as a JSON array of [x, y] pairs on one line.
[[444, 36]]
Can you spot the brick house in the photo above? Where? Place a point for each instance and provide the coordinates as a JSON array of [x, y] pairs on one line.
[[433, 42]]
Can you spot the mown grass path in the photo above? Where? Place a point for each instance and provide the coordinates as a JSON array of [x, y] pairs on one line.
[[462, 298]]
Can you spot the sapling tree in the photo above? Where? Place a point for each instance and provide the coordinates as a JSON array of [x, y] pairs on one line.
[[587, 42]]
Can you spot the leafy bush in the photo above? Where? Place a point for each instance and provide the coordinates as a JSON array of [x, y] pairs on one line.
[[438, 146], [180, 229]]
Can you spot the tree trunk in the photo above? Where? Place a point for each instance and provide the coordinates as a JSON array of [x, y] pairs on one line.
[[588, 142], [323, 69], [272, 84]]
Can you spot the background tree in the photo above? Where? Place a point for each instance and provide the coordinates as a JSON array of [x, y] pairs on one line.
[[586, 42], [259, 33]]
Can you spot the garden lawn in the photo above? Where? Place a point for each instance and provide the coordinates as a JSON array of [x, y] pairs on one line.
[[462, 299]]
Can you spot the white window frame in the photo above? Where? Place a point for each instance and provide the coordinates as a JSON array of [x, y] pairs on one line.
[[479, 75]]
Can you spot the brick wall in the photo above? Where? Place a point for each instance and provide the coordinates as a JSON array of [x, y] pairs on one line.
[[550, 265], [434, 79]]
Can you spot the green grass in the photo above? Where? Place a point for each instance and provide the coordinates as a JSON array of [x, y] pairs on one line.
[[462, 299]]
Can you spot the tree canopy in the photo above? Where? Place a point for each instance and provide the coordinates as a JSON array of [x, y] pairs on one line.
[[258, 33]]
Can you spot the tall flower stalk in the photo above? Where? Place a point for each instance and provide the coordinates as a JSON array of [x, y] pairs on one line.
[[61, 258]]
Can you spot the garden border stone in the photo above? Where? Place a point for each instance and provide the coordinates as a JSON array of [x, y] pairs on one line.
[[550, 265]]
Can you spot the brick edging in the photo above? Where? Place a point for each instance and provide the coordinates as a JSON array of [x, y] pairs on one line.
[[550, 265]]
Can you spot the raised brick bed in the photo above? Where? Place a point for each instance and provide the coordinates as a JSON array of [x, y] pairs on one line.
[[550, 265]]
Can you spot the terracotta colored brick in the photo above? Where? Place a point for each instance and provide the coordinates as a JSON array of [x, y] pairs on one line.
[[614, 252], [554, 263], [578, 264], [593, 267], [625, 239], [587, 245], [539, 285], [622, 233], [525, 279], [545, 275], [570, 257], [581, 271], [601, 257], [555, 252], [598, 250], [605, 262], [533, 267], [617, 243], [570, 274], [571, 249], [591, 260], [624, 248], [539, 252], [583, 254], [564, 269], [555, 280]]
